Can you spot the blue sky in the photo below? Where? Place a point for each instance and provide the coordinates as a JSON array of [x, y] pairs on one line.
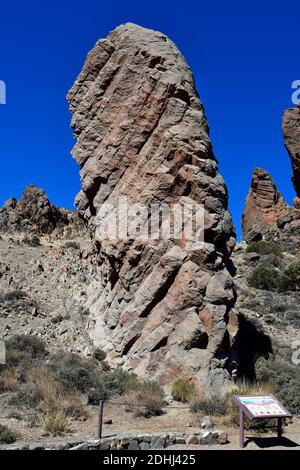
[[244, 56]]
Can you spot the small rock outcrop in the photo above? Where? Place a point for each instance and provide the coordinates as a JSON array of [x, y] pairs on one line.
[[266, 214], [34, 214], [159, 307]]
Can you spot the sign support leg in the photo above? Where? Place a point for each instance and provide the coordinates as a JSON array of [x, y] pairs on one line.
[[279, 427], [100, 419], [242, 429]]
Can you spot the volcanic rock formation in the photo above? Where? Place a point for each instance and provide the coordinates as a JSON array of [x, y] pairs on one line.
[[291, 134], [161, 307], [266, 214], [264, 206], [34, 214]]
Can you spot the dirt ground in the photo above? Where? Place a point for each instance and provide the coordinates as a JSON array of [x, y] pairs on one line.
[[173, 420]]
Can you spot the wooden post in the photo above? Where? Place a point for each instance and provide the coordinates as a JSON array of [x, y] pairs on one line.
[[279, 427], [242, 429], [100, 421]]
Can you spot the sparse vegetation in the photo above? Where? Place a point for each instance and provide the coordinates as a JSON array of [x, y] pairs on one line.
[[7, 436], [215, 406], [24, 348], [83, 312], [71, 245], [57, 319], [32, 241], [264, 248], [149, 397], [9, 380], [13, 295], [183, 390]]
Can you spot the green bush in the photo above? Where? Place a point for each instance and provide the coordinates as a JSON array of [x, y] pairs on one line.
[[264, 278], [71, 245], [57, 319], [99, 355], [75, 373], [264, 248], [13, 295], [284, 378], [7, 436], [32, 241], [118, 381], [24, 348], [269, 279], [293, 272], [182, 390], [215, 406]]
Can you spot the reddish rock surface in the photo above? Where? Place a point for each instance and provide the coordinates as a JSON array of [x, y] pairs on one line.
[[264, 206], [142, 133], [34, 214], [266, 215], [291, 134]]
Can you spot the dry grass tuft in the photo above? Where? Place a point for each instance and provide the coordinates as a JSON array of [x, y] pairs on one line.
[[57, 424], [10, 380]]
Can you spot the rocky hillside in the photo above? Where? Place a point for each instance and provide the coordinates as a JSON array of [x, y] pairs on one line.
[[35, 214], [43, 278], [268, 267]]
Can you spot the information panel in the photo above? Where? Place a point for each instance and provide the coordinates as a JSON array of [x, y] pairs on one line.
[[260, 407], [264, 405]]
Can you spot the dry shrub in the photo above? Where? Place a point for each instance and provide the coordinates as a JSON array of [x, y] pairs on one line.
[[214, 406], [10, 380], [7, 436], [183, 390], [48, 387], [56, 424], [149, 397], [73, 408], [53, 397]]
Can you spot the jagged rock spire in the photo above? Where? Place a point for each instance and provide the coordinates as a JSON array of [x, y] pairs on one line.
[[158, 307], [264, 206]]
